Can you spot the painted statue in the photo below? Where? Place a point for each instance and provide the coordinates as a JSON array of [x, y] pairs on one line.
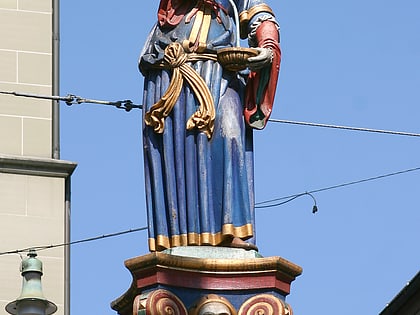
[[199, 114]]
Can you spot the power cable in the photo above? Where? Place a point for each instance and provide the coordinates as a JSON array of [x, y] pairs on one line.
[[259, 205], [302, 123], [39, 248], [289, 199], [71, 99], [279, 202], [128, 105]]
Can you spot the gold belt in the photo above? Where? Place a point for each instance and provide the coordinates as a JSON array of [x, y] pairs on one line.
[[176, 59]]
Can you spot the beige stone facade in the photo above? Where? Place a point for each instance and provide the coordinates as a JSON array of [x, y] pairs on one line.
[[33, 212], [25, 66], [33, 186]]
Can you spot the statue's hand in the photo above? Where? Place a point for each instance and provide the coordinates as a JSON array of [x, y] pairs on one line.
[[263, 59]]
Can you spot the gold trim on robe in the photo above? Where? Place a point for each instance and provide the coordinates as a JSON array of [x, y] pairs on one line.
[[247, 16], [162, 242]]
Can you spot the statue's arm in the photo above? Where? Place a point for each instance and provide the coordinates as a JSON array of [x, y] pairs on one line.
[[260, 26]]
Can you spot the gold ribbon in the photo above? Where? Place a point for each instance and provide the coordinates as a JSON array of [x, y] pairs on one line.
[[203, 12], [199, 32], [203, 119]]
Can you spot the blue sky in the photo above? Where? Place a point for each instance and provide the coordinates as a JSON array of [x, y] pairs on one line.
[[354, 63]]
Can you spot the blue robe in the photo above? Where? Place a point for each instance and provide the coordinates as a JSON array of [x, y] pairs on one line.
[[199, 190]]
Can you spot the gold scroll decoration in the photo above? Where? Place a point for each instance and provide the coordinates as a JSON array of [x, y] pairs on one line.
[[203, 119]]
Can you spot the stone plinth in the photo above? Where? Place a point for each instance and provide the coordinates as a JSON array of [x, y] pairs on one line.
[[214, 280]]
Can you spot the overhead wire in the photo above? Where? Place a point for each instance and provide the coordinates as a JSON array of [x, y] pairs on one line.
[[279, 201], [289, 199], [90, 239], [128, 105], [311, 124], [71, 99], [259, 205]]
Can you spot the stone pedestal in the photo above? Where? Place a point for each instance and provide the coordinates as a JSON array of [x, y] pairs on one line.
[[207, 280]]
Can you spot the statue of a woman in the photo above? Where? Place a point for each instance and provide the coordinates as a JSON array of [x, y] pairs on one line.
[[198, 121]]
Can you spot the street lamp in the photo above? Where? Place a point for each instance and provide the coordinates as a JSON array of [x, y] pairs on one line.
[[31, 300]]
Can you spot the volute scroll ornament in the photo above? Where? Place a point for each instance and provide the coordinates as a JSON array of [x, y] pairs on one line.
[[163, 302], [265, 304]]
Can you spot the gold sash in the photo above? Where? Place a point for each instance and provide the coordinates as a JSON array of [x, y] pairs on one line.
[[176, 59]]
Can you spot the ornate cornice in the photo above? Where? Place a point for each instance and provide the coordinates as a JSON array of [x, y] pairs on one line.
[[244, 274], [36, 166], [201, 265]]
